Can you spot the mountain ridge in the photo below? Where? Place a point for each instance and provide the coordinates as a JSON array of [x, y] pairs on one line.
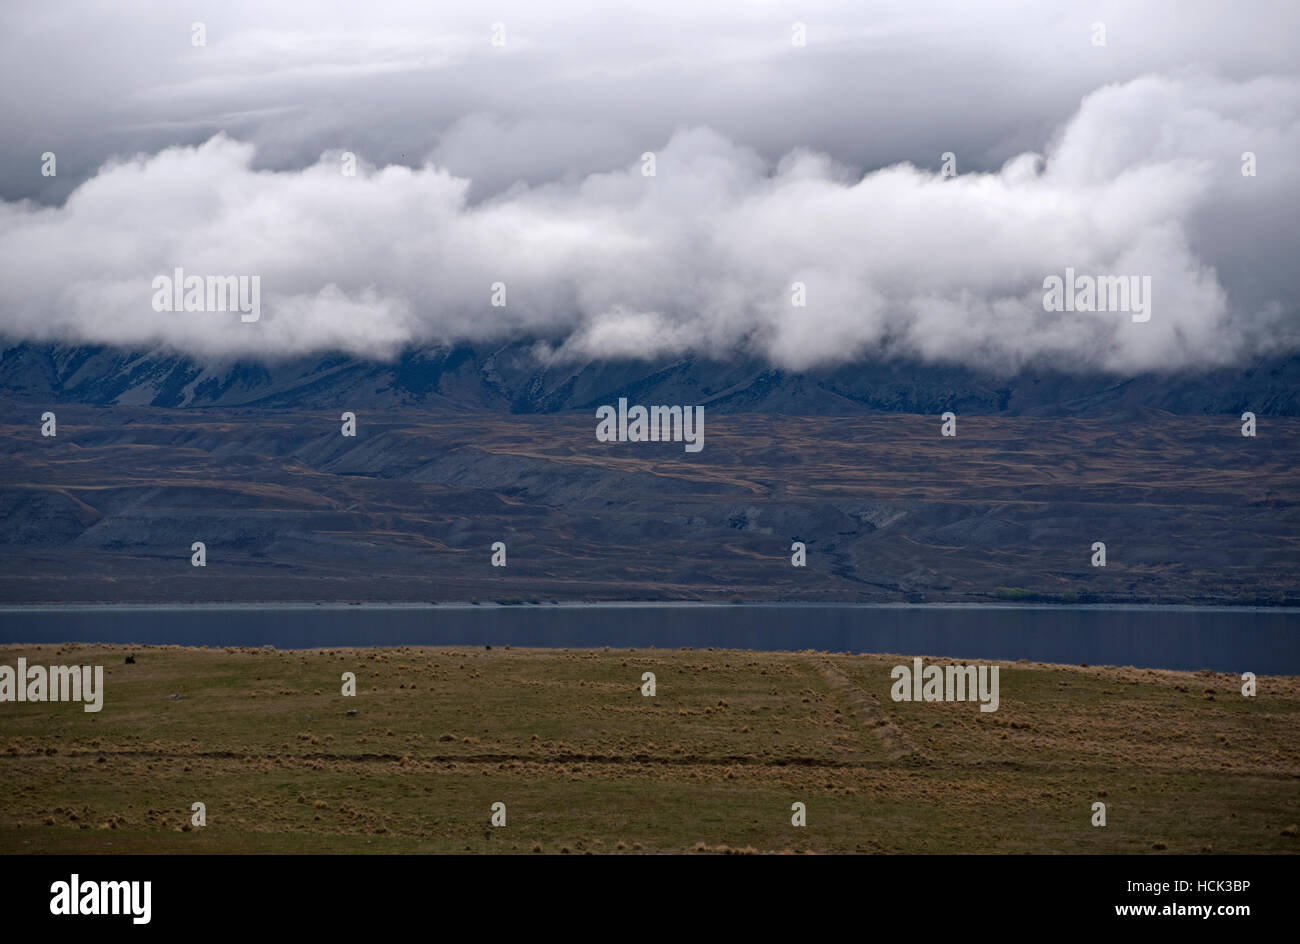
[[509, 378]]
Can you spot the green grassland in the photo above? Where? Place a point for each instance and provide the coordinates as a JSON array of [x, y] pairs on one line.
[[585, 763]]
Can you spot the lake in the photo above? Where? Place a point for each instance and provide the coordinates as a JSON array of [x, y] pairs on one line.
[[1223, 639]]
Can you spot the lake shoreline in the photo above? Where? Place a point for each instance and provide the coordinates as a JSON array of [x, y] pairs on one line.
[[654, 604], [1237, 639]]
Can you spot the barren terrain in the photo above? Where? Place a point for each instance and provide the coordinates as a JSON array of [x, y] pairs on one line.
[[290, 510]]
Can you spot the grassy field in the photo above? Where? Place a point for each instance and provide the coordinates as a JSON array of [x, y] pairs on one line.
[[585, 763]]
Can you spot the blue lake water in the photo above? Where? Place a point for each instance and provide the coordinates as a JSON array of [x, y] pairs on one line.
[[1224, 639]]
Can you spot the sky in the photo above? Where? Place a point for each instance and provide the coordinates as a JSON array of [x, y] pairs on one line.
[[504, 144]]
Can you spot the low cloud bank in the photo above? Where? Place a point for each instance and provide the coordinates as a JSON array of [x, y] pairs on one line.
[[1144, 180]]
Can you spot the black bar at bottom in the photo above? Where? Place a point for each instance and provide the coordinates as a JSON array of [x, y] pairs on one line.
[[332, 893]]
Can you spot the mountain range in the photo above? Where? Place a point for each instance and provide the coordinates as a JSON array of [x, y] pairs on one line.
[[458, 449], [509, 378]]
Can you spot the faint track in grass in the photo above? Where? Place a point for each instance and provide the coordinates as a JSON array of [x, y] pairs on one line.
[[681, 760], [866, 708]]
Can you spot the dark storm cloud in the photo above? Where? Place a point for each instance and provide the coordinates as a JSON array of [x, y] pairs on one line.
[[877, 83]]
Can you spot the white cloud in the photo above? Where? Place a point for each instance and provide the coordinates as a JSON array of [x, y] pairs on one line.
[[1144, 180]]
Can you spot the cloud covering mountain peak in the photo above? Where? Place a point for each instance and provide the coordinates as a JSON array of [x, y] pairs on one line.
[[1144, 179]]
